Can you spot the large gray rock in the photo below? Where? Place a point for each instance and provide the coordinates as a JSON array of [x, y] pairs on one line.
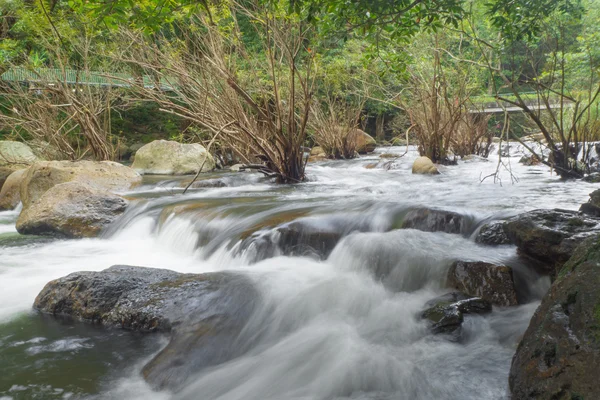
[[10, 194], [172, 158], [547, 237], [431, 220], [103, 175], [72, 210], [493, 283], [592, 207], [559, 354], [424, 166], [204, 313]]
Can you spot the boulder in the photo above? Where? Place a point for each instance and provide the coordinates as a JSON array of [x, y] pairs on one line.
[[103, 175], [203, 313], [431, 220], [424, 166], [363, 142], [16, 153], [10, 195], [446, 313], [592, 178], [317, 151], [13, 157], [163, 157], [547, 237], [559, 354], [72, 210], [493, 283]]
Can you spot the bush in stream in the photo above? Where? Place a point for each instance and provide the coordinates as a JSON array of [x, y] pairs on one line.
[[260, 116]]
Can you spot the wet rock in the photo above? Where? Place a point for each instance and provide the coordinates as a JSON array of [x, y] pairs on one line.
[[72, 210], [529, 160], [446, 313], [424, 166], [592, 207], [172, 158], [204, 313], [205, 183], [559, 354], [430, 220], [548, 237], [493, 283], [297, 238], [592, 178], [492, 234], [363, 142], [10, 195], [103, 175]]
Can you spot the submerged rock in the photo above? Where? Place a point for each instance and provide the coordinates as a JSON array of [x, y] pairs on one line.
[[547, 237], [172, 158], [203, 312], [446, 313], [559, 354], [103, 175], [72, 210], [493, 283], [10, 194], [431, 220], [424, 166]]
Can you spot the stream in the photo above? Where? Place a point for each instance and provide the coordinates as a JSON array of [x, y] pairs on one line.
[[330, 328]]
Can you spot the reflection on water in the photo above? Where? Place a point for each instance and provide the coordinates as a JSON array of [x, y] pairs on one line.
[[340, 323]]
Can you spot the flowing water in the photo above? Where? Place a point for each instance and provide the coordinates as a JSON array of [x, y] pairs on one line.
[[344, 326]]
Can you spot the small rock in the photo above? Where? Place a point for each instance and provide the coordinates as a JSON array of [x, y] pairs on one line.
[[424, 166], [492, 234], [446, 313], [493, 283]]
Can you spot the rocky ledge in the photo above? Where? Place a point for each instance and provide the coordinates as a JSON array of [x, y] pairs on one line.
[[203, 313]]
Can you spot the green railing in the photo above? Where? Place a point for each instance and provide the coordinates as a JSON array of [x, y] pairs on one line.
[[74, 77]]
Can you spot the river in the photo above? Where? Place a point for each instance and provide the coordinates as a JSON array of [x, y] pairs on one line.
[[330, 328]]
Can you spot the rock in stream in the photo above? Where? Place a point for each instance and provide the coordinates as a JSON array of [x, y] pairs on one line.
[[204, 313]]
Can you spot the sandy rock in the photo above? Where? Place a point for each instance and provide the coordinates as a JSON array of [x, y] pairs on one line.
[[172, 158], [424, 166], [10, 195]]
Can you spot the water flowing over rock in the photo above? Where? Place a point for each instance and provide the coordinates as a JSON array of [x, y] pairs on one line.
[[431, 220], [10, 194], [547, 237], [559, 354], [103, 175], [446, 313], [493, 283], [72, 210], [203, 312], [172, 158]]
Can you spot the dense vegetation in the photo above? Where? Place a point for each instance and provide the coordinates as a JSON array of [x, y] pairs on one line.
[[256, 81]]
